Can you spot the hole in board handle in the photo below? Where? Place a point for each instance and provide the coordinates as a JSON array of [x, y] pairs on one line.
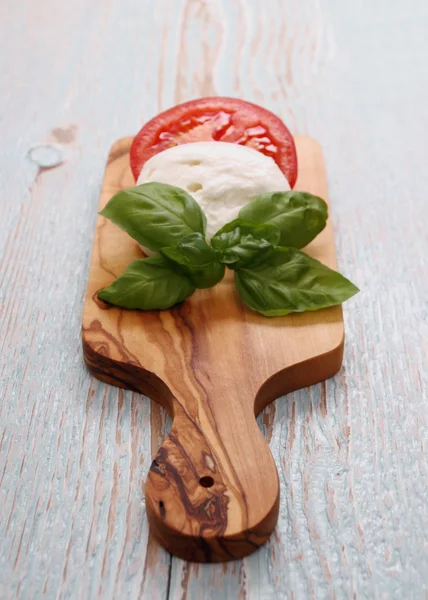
[[162, 510], [206, 481]]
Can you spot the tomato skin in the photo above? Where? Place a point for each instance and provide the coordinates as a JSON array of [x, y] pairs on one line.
[[217, 119]]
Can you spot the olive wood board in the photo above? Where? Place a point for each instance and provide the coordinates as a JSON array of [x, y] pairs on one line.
[[212, 492]]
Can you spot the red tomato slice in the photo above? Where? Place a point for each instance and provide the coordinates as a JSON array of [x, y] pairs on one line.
[[220, 120]]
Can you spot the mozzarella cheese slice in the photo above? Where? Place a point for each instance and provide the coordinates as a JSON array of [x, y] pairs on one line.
[[222, 177]]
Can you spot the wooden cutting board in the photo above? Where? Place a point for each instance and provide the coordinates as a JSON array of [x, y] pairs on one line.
[[212, 492]]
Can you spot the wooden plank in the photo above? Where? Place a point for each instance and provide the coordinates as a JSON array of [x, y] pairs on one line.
[[352, 454], [309, 64], [73, 452]]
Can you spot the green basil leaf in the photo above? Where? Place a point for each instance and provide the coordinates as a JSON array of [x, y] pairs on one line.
[[291, 281], [155, 214], [250, 252], [196, 259], [244, 243], [148, 284], [230, 235], [299, 216]]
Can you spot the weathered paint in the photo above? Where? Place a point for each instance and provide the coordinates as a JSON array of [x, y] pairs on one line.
[[352, 452]]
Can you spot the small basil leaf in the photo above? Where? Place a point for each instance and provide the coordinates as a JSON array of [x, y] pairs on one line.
[[148, 284], [230, 235], [291, 281], [250, 252], [155, 214], [196, 259], [299, 216], [243, 243]]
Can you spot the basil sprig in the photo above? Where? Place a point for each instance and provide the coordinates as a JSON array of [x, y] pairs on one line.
[[192, 256], [243, 243], [272, 276]]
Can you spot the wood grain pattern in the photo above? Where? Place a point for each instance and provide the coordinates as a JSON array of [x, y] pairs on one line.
[[213, 364], [352, 453]]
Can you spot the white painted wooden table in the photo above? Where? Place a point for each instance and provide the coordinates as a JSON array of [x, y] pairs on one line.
[[352, 453]]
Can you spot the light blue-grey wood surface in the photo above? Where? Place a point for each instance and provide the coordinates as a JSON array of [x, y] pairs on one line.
[[74, 453]]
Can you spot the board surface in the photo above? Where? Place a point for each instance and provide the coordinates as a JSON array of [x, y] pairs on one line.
[[212, 492]]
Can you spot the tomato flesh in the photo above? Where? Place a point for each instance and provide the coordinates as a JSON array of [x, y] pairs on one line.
[[219, 120]]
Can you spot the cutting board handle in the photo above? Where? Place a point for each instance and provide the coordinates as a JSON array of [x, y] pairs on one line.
[[206, 500]]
